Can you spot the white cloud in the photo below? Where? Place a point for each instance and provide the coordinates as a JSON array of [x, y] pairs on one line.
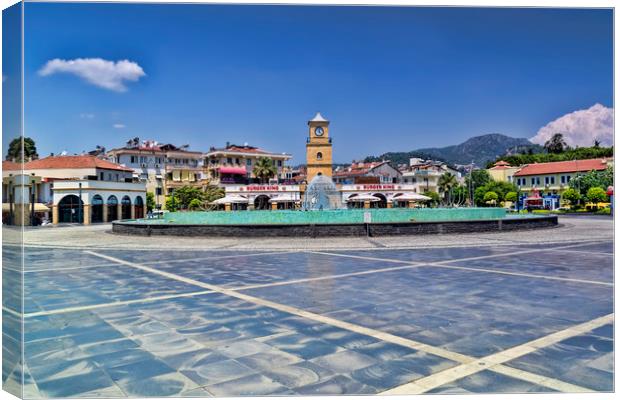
[[103, 73], [581, 127], [87, 115], [118, 126]]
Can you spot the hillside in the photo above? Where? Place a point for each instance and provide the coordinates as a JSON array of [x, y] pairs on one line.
[[479, 149]]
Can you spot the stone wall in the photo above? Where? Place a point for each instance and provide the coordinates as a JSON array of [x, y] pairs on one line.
[[321, 230]]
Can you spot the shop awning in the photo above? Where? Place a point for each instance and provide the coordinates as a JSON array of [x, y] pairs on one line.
[[38, 207], [411, 197], [363, 197], [231, 199], [283, 198], [232, 170]]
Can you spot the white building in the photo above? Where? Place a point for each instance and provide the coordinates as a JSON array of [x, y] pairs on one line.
[[79, 189]]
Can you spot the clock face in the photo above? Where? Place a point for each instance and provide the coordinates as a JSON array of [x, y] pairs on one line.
[[318, 131]]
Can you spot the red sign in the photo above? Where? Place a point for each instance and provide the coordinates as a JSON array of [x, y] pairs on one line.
[[258, 188], [378, 187]]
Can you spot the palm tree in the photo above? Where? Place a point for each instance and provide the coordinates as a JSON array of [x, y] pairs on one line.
[[264, 169], [446, 182], [556, 144]]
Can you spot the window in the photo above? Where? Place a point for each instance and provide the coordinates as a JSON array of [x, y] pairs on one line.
[[116, 177], [133, 159], [279, 163], [319, 156], [546, 180], [229, 160], [533, 181], [100, 176], [237, 161], [552, 180], [248, 162], [563, 179], [567, 178]]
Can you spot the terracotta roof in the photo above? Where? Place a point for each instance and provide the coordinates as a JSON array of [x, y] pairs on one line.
[[357, 169], [242, 149], [596, 164], [58, 162], [11, 166]]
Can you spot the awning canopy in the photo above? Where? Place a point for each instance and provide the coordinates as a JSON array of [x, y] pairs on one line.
[[38, 207], [411, 197], [232, 170], [231, 199], [283, 198], [363, 197]]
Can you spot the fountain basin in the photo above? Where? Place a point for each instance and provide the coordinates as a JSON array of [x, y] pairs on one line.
[[340, 222]]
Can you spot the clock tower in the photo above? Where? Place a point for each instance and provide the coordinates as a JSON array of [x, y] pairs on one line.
[[318, 148]]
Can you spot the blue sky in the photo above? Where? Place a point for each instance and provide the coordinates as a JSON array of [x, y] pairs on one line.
[[389, 79]]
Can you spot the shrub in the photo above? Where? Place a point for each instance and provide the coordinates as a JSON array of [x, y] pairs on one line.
[[596, 195]]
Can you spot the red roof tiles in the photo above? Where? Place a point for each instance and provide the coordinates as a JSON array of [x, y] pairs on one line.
[[597, 164], [11, 166], [61, 162]]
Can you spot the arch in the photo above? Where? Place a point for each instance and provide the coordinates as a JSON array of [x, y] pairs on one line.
[[319, 156], [70, 209], [125, 207], [382, 203], [112, 208], [139, 207], [261, 202], [96, 210]]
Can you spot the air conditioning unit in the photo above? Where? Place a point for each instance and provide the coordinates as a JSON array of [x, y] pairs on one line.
[[156, 165], [143, 165]]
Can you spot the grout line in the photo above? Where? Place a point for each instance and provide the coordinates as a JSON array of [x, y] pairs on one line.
[[12, 312], [460, 371], [328, 277], [540, 380], [495, 271], [115, 303]]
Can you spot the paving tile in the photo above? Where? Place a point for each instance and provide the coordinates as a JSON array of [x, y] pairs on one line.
[[251, 385], [170, 384], [268, 360], [300, 374], [344, 361], [75, 385], [221, 371], [139, 370], [336, 385], [489, 382]]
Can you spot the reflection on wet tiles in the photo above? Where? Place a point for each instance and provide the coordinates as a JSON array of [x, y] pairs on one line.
[[489, 382], [213, 344], [585, 360], [344, 361], [336, 385], [470, 312], [251, 385], [301, 374]]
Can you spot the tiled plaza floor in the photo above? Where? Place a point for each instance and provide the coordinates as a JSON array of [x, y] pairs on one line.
[[123, 322]]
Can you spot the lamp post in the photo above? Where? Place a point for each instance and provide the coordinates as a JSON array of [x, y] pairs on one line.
[[80, 203], [10, 193], [32, 200]]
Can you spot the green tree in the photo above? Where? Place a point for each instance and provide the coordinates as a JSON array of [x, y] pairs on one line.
[[184, 196], [511, 196], [264, 169], [580, 153], [446, 182], [195, 204], [14, 152], [490, 197], [556, 144], [213, 193], [572, 196], [172, 203], [500, 188], [601, 179], [150, 201], [435, 199], [597, 195]]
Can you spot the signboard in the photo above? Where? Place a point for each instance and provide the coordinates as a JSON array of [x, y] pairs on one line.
[[367, 217]]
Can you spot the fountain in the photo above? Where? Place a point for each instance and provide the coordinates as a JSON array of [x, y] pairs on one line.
[[322, 194]]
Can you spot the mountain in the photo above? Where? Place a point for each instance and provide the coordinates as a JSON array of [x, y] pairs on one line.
[[479, 149]]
